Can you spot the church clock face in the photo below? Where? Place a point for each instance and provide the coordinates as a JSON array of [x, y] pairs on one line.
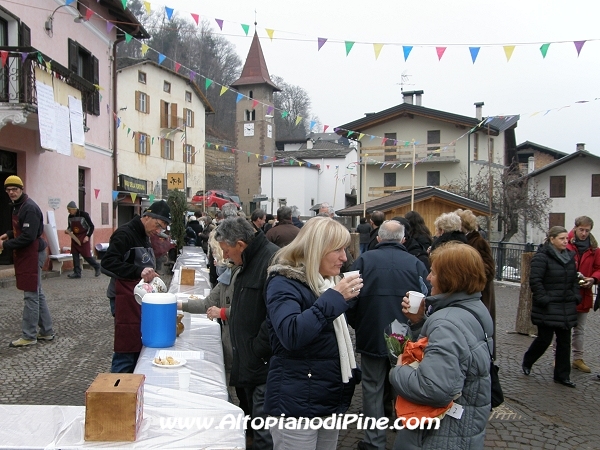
[[269, 131], [248, 129]]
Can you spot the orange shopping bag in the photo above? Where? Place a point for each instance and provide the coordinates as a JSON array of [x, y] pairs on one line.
[[413, 352]]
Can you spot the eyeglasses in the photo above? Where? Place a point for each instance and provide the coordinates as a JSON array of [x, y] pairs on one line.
[[12, 189], [159, 226]]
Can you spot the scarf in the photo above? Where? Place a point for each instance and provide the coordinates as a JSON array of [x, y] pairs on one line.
[[342, 335], [563, 256], [582, 246]]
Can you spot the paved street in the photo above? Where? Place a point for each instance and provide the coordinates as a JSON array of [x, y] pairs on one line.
[[537, 414]]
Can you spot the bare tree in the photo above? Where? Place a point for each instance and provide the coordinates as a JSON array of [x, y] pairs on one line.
[[518, 200], [292, 101]]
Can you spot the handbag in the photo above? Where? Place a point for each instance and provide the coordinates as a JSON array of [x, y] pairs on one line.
[[497, 394]]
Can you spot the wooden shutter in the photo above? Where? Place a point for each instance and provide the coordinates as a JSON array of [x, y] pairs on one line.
[[24, 36], [147, 104], [137, 100], [556, 220], [193, 150], [164, 120], [96, 78], [137, 145], [558, 186], [73, 53], [596, 185], [174, 120]]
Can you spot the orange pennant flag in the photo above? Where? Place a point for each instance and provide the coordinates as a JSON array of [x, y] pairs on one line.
[[508, 51], [270, 33], [377, 48]]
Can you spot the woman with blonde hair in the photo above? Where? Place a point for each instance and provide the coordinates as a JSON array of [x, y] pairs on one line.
[[456, 362], [312, 372], [475, 240], [448, 227]]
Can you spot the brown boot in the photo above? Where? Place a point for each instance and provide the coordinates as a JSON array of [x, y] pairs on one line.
[[580, 365]]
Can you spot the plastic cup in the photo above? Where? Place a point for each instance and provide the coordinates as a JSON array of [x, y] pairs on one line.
[[351, 273], [206, 292], [184, 378], [415, 298]]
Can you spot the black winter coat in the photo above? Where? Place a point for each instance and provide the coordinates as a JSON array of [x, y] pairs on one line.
[[248, 313], [555, 289], [447, 237], [388, 273]]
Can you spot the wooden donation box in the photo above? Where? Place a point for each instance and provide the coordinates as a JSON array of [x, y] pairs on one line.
[[114, 407], [188, 276]]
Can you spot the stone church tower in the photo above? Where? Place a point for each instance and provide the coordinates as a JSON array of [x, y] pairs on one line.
[[254, 124]]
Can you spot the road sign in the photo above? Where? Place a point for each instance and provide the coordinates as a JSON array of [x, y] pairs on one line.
[[175, 181]]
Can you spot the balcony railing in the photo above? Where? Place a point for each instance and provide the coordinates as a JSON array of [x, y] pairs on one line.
[[17, 77], [402, 154], [380, 191]]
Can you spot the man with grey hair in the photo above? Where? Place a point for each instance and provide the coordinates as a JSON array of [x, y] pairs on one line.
[[229, 210], [285, 231], [326, 208], [389, 272], [251, 250], [296, 217]]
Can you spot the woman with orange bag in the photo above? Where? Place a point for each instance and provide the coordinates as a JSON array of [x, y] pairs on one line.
[[455, 365]]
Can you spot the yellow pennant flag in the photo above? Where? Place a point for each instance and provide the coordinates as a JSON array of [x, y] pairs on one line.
[[360, 136], [508, 51], [48, 66], [270, 33], [407, 164], [298, 119], [377, 48], [147, 6], [133, 197], [223, 90], [217, 146], [145, 48], [257, 155]]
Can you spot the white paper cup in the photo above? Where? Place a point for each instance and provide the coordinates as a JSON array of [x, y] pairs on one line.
[[184, 378], [415, 298], [206, 292], [351, 273]]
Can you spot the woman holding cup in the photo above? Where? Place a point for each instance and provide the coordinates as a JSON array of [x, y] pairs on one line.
[[456, 362], [312, 372]]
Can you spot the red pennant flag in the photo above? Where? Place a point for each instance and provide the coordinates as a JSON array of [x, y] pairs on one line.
[[4, 55], [254, 103], [440, 52], [325, 128], [177, 67], [383, 141], [196, 17], [96, 192], [88, 14]]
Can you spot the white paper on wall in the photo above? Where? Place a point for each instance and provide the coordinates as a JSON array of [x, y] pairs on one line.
[[46, 115], [76, 118]]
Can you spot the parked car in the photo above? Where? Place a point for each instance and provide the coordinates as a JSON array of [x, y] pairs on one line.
[[215, 198]]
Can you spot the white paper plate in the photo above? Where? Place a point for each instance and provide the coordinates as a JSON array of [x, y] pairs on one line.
[[174, 366]]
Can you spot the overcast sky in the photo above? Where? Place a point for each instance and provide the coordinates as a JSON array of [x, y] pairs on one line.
[[343, 88]]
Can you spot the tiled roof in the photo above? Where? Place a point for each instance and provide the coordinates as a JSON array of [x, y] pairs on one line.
[[255, 69]]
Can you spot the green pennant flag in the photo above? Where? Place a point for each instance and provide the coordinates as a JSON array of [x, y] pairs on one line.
[[39, 57], [284, 114], [349, 45], [245, 28], [124, 4], [151, 198], [128, 36], [207, 83], [544, 49]]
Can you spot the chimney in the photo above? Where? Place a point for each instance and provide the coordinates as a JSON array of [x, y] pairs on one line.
[[530, 164], [479, 110], [580, 147], [309, 144], [408, 97], [418, 95]]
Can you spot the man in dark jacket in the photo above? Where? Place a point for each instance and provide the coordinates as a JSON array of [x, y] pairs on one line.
[[80, 229], [388, 272], [29, 257], [247, 321], [128, 259], [285, 231], [364, 229], [377, 218]]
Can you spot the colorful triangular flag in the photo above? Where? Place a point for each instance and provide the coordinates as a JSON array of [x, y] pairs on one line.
[[321, 43], [440, 52], [270, 33], [220, 23], [169, 12], [508, 51], [377, 48], [246, 28], [196, 18], [544, 49], [406, 49], [349, 45], [474, 52]]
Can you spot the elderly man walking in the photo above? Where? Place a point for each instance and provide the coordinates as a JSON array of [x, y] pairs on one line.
[[249, 248], [285, 231], [30, 254], [388, 272]]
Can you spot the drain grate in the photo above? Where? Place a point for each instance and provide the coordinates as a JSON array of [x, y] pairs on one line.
[[506, 413]]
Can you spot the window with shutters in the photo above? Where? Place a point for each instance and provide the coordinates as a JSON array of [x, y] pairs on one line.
[[189, 154], [142, 143], [167, 149], [188, 96], [556, 220], [86, 65], [558, 186], [142, 102], [390, 147], [141, 77], [188, 115], [433, 137], [596, 185], [433, 178]]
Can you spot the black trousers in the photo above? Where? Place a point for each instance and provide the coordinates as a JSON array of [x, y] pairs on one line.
[[562, 366]]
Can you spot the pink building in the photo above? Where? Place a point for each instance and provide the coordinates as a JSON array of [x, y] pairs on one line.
[[57, 97]]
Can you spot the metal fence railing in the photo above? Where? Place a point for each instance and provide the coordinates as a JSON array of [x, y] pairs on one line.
[[508, 259]]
